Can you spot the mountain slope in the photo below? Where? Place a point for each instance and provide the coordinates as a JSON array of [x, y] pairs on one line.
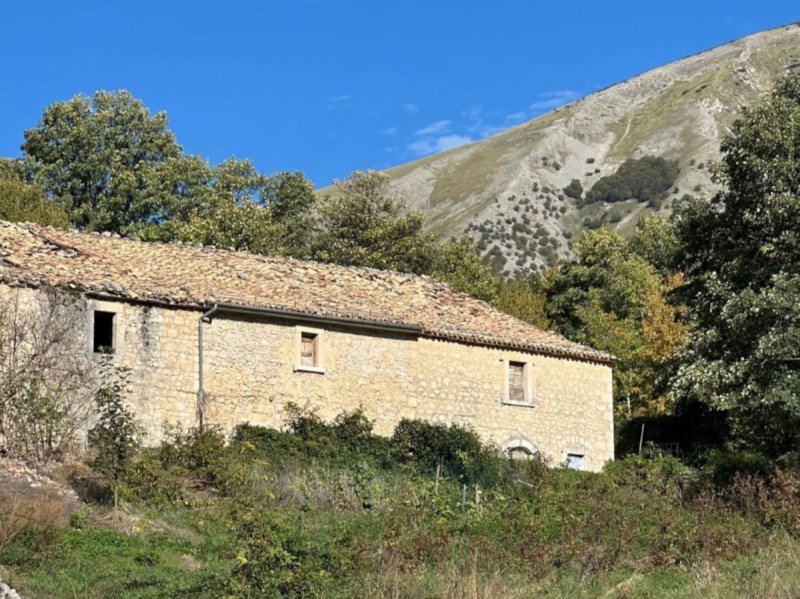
[[507, 190]]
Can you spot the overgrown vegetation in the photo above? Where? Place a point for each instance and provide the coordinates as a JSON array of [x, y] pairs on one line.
[[45, 376], [332, 510]]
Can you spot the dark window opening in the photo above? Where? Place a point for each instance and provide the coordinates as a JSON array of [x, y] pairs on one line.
[[103, 342], [308, 349]]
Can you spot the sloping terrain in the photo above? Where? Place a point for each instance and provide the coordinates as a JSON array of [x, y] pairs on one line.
[[507, 191]]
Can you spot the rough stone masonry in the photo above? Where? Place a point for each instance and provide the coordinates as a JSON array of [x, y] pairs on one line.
[[324, 337]]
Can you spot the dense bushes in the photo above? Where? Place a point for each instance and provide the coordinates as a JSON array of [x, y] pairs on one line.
[[574, 189], [643, 179], [328, 509]]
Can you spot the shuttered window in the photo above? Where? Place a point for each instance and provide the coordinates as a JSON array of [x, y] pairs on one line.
[[308, 349], [516, 382]]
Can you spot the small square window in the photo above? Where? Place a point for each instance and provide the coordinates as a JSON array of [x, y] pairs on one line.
[[309, 349], [103, 340]]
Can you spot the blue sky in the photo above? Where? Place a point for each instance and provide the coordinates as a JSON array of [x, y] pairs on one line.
[[329, 86]]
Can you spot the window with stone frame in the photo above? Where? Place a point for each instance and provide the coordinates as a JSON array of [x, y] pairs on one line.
[[309, 349], [517, 387], [103, 338]]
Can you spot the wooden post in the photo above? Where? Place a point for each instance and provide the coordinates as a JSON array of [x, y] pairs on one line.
[[641, 439]]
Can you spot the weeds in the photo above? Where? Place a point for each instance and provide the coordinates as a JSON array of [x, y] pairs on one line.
[[329, 509]]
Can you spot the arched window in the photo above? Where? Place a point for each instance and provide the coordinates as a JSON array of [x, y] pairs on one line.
[[519, 453], [519, 449]]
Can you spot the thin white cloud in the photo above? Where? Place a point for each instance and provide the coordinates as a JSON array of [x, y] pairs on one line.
[[554, 99], [478, 123], [434, 128], [390, 131], [410, 108], [342, 98], [431, 145], [516, 117]]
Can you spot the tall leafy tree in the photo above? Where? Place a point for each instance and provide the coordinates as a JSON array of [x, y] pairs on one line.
[[742, 254], [458, 263], [107, 159], [246, 210]]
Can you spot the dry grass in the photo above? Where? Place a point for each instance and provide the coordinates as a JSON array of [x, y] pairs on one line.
[[42, 510], [773, 574], [395, 582]]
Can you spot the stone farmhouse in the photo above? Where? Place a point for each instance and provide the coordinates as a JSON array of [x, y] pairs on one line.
[[223, 337]]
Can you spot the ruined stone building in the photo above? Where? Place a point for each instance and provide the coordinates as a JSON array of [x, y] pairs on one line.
[[230, 337]]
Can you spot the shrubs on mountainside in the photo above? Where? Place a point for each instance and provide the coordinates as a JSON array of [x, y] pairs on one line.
[[574, 189], [643, 179]]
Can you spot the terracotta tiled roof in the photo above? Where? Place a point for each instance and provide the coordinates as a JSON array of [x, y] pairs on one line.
[[194, 276]]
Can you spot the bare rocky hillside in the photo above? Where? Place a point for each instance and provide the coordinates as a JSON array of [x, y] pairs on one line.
[[507, 191]]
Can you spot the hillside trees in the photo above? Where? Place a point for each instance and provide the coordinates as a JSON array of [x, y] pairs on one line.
[[613, 299], [742, 252], [364, 224], [643, 178]]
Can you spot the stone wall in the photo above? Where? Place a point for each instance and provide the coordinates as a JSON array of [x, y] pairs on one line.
[[251, 373]]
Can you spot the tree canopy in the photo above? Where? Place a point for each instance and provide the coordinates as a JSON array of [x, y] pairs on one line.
[[363, 223], [106, 159], [641, 178], [742, 255], [614, 299]]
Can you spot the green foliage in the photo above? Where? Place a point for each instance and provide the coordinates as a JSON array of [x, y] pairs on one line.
[[724, 468], [347, 440], [278, 559], [643, 178], [114, 166], [656, 240], [248, 211], [613, 299], [523, 298], [458, 451], [115, 436], [331, 527], [25, 202], [741, 253], [457, 263], [574, 189], [106, 159], [363, 224]]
